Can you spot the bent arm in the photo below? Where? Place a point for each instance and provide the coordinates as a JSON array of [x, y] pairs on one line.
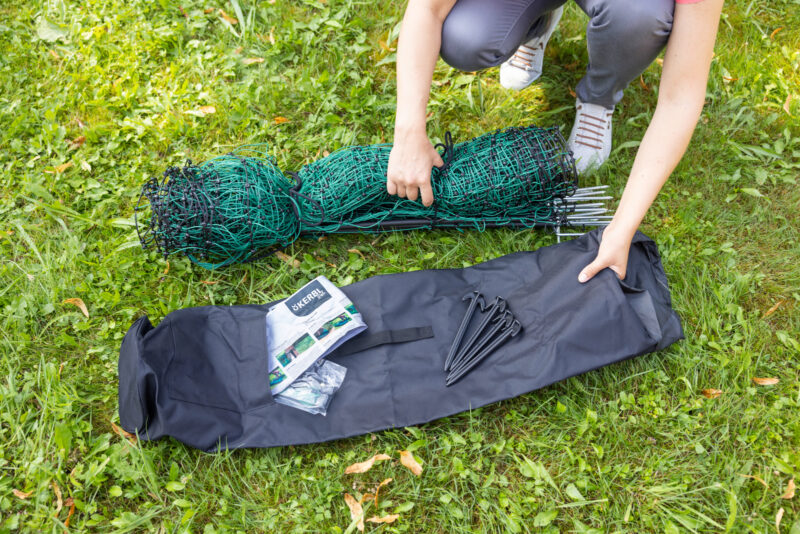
[[681, 96], [413, 156]]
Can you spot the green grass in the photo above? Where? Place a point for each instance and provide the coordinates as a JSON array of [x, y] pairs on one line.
[[634, 447]]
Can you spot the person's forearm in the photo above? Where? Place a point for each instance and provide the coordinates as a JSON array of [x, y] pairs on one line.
[[661, 149], [417, 51]]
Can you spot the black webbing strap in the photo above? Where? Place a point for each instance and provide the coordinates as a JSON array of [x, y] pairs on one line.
[[367, 340]]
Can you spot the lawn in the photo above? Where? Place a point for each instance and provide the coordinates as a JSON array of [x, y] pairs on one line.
[[97, 96]]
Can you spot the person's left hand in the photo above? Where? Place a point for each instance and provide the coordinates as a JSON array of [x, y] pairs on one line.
[[612, 254]]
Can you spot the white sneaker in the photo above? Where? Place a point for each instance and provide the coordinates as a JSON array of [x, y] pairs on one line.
[[590, 140], [525, 66]]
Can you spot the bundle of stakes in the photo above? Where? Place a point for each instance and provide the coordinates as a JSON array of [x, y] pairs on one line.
[[233, 207]]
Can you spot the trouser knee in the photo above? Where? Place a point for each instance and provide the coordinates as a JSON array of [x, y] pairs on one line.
[[466, 42], [645, 22]]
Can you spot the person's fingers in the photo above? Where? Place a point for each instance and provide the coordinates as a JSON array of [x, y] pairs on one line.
[[590, 270], [620, 272], [437, 159], [391, 187], [401, 190], [412, 192], [426, 191]]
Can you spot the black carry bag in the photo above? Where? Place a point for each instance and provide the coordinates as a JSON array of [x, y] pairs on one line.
[[200, 376]]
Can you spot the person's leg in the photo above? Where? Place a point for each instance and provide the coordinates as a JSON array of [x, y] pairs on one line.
[[623, 38], [484, 33]]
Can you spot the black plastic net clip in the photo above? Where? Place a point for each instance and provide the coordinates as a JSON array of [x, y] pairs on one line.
[[447, 150]]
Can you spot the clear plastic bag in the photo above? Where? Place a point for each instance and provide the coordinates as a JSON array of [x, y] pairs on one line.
[[313, 390]]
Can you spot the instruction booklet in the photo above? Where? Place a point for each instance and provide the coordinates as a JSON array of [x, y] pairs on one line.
[[306, 327]]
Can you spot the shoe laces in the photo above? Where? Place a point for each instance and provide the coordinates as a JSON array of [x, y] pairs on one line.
[[524, 56], [590, 131]]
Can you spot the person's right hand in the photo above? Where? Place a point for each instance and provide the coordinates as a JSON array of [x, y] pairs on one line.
[[410, 164]]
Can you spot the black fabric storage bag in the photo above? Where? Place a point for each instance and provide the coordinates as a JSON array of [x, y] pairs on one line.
[[200, 376]]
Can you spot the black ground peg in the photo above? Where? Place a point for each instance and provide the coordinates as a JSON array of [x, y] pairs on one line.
[[496, 307], [515, 329], [476, 298], [502, 321]]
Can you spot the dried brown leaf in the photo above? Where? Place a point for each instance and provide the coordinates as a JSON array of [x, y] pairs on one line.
[[363, 467], [54, 54], [572, 93], [63, 167], [712, 393], [391, 518], [166, 269], [775, 32], [238, 50], [21, 494], [208, 110], [228, 18], [209, 282], [252, 60], [773, 309], [124, 433], [79, 303], [69, 502], [77, 142], [356, 251], [778, 518], [757, 479], [407, 459], [356, 512], [787, 105], [280, 120], [287, 259], [208, 10], [789, 493], [378, 489], [57, 491], [766, 381], [642, 84]]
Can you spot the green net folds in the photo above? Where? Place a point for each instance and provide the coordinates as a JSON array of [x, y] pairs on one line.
[[231, 207]]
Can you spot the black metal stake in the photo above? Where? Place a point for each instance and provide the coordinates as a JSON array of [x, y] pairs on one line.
[[476, 298], [498, 306], [503, 321], [515, 329]]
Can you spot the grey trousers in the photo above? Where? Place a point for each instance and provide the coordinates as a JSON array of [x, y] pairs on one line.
[[623, 38]]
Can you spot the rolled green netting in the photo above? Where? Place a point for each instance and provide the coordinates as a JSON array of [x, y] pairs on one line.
[[227, 209]]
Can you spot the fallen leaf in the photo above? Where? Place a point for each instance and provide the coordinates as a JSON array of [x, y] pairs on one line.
[[758, 479], [238, 50], [789, 493], [356, 512], [642, 84], [252, 60], [572, 93], [208, 10], [77, 142], [79, 303], [325, 153], [775, 32], [54, 54], [280, 120], [363, 467], [21, 495], [712, 393], [729, 79], [69, 502], [287, 259], [356, 251], [57, 491], [788, 103], [202, 111], [228, 18], [766, 381], [778, 518], [209, 282], [124, 433], [660, 62], [773, 309], [272, 34], [383, 45], [166, 269], [407, 459], [391, 518], [378, 489], [58, 169]]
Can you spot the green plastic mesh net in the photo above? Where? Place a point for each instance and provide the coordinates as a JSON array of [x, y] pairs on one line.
[[234, 207]]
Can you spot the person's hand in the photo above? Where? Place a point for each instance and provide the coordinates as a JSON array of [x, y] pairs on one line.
[[612, 254], [410, 163]]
